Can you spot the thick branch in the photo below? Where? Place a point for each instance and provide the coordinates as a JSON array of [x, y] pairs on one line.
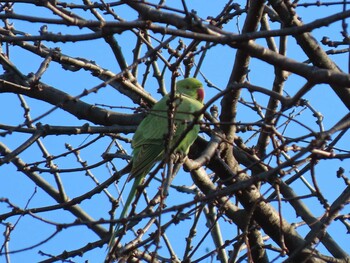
[[239, 71], [76, 107], [311, 48]]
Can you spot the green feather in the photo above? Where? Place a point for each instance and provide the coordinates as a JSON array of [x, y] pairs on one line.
[[148, 140]]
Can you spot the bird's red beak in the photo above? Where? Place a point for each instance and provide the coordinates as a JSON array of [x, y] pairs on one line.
[[200, 94]]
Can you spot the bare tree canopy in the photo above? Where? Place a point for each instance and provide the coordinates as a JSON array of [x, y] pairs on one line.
[[265, 181]]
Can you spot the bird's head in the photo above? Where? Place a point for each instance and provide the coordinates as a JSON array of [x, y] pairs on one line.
[[191, 87]]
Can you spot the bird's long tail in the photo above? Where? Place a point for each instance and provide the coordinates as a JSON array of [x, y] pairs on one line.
[[137, 182]]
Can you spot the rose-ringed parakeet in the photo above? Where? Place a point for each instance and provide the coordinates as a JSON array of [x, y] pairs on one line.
[[148, 142]]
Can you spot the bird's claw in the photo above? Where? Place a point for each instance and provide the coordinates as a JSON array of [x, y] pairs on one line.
[[178, 157]]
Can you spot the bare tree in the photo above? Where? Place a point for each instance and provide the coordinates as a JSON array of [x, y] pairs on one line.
[[264, 182]]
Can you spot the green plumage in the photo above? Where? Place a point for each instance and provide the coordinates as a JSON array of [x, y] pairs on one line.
[[148, 142]]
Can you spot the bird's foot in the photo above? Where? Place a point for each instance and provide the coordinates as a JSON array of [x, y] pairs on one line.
[[178, 157]]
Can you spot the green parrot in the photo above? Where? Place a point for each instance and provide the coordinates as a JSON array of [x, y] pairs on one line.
[[148, 140]]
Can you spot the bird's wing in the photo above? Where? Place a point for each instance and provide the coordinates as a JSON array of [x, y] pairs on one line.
[[153, 128], [145, 156]]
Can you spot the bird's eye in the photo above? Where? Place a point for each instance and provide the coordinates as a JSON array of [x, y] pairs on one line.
[[187, 87]]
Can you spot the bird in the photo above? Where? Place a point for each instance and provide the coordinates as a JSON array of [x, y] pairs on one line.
[[148, 142]]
